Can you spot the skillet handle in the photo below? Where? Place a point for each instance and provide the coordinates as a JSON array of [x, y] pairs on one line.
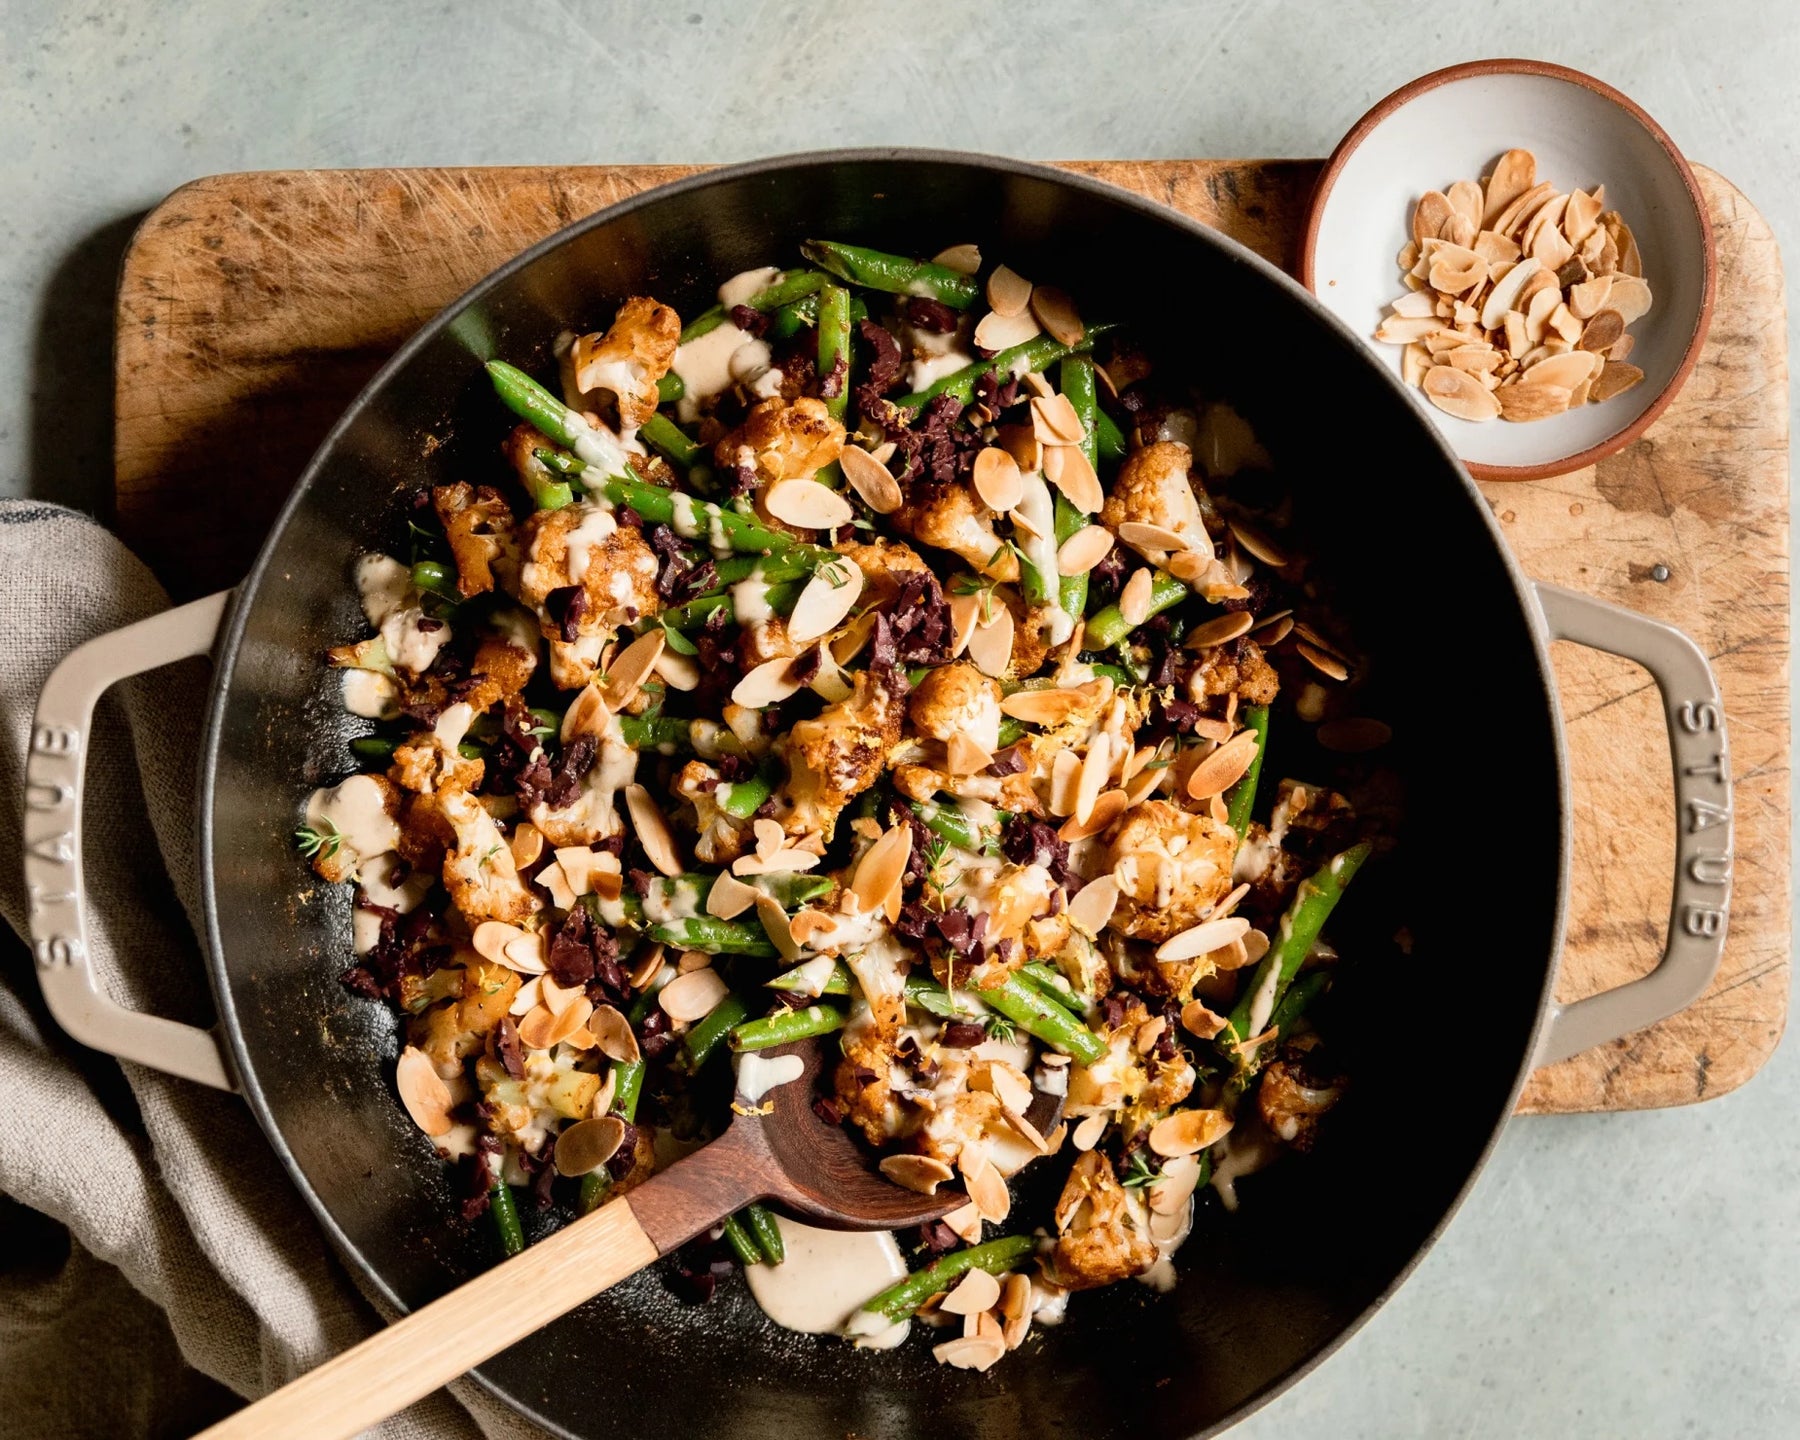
[[1695, 717], [54, 772]]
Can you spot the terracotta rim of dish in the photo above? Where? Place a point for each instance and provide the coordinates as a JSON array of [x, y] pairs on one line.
[[1709, 281]]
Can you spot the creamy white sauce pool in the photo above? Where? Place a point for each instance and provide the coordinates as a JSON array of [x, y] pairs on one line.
[[371, 695], [827, 1276], [356, 811], [757, 1074]]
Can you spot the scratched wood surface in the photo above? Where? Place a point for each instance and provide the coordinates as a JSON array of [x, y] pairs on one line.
[[253, 307]]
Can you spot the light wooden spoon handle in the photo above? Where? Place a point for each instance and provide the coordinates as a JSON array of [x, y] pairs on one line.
[[432, 1346]]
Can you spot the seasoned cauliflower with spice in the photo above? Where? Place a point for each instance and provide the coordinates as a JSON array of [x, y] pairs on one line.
[[1172, 867], [1099, 1238], [957, 699], [952, 517], [479, 872], [478, 523], [836, 756], [1153, 488], [782, 440], [628, 360], [584, 575]]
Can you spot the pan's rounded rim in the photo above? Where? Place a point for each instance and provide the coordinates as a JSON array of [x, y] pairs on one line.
[[231, 637]]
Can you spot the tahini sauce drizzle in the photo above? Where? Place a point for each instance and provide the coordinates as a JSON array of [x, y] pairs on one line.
[[827, 1276]]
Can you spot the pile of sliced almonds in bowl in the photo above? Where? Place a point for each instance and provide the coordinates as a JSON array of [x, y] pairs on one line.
[[1518, 297]]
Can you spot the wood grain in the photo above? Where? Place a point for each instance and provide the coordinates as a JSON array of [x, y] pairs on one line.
[[253, 307]]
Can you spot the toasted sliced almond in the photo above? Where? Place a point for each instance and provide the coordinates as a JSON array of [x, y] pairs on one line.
[[491, 937], [1006, 1083], [1188, 1131], [965, 611], [1259, 544], [1088, 1132], [1581, 215], [1414, 305], [1196, 1019], [969, 1352], [586, 1145], [1505, 294], [808, 504], [612, 1033], [996, 332], [777, 927], [1008, 292], [1514, 173], [646, 967], [1083, 550], [586, 715], [827, 599], [1429, 215], [544, 1028], [990, 645], [1272, 632], [1203, 939], [1048, 708], [1567, 370], [1222, 769], [882, 868], [556, 998], [1630, 296], [422, 1091], [1513, 220], [631, 667], [1603, 331], [1615, 379], [693, 995], [965, 756], [1455, 269], [1134, 599], [997, 479], [652, 830], [1458, 393], [1055, 311], [1065, 778], [1323, 661], [871, 479], [1015, 1309], [1465, 199], [919, 1173], [1054, 420], [1037, 384], [1110, 805], [976, 1292], [524, 954], [963, 259], [1404, 329], [965, 1221], [1152, 538], [768, 684], [1220, 629], [1093, 905], [1067, 468], [987, 1189], [1526, 402], [1096, 766], [730, 897]]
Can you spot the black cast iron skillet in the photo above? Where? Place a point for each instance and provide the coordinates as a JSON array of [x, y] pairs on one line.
[[1437, 1033]]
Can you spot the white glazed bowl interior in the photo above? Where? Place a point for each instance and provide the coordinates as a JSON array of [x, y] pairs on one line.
[[1456, 131]]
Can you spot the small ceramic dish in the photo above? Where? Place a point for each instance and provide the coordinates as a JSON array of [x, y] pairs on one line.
[[1453, 125]]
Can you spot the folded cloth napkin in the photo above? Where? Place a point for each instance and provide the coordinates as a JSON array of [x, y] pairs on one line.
[[168, 1183]]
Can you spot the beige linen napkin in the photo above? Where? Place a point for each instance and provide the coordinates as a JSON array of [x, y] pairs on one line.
[[168, 1183]]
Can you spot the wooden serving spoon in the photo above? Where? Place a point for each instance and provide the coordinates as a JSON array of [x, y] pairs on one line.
[[788, 1155]]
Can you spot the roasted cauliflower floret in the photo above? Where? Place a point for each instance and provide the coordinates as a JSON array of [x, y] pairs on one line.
[[454, 1028], [431, 762], [601, 575], [866, 1080], [1240, 669], [363, 811], [952, 517], [1297, 1088], [1172, 868], [836, 756], [962, 1120], [957, 699], [502, 666], [1152, 488], [628, 360], [719, 838], [479, 873], [1099, 1239], [478, 523], [885, 564], [764, 641], [783, 440]]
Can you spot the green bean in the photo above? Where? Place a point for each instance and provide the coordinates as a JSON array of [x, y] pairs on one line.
[[561, 461], [436, 579], [790, 320], [594, 1186], [1240, 799], [878, 270], [1305, 989], [834, 347], [782, 596], [506, 1218], [375, 749], [958, 828], [1311, 906], [837, 983], [694, 519], [995, 1256], [1011, 731], [761, 1221], [743, 798], [1109, 440], [1110, 626], [704, 1035], [715, 937], [1114, 673], [628, 1078], [660, 732], [1034, 354], [1075, 378], [538, 476], [785, 1026], [670, 388], [665, 435], [1033, 1012], [1050, 982], [921, 990], [531, 402], [737, 1235], [703, 324]]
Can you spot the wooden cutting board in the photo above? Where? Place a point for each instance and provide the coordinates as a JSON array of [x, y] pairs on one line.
[[252, 308]]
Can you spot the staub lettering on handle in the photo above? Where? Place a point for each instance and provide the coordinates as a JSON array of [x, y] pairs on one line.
[[51, 775], [1711, 868]]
